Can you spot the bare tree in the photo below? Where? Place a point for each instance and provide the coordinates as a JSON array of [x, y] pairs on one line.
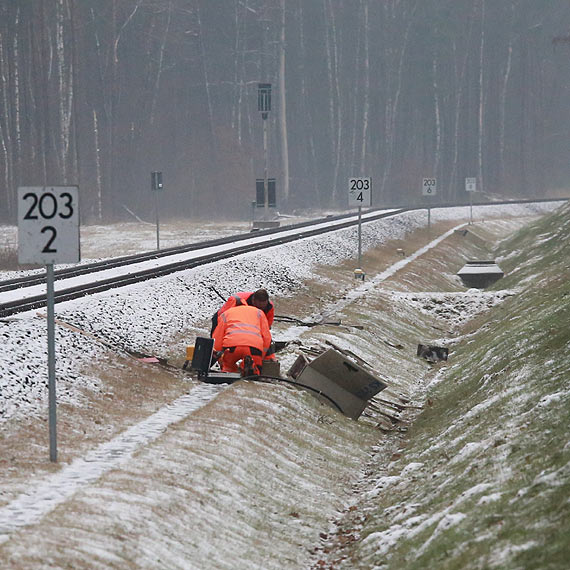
[[481, 100]]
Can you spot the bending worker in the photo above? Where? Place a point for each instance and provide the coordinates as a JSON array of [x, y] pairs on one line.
[[243, 334], [258, 299]]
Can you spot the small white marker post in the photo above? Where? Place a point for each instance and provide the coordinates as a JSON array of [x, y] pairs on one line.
[[48, 233], [359, 194], [470, 186], [156, 186], [429, 188]]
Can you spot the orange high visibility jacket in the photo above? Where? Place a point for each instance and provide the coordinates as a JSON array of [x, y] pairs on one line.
[[243, 298], [242, 326]]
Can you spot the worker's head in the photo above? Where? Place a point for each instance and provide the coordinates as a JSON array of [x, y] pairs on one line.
[[260, 299]]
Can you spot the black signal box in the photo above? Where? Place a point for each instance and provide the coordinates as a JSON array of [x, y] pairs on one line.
[[156, 180]]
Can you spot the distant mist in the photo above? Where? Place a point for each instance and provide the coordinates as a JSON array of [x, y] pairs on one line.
[[100, 94]]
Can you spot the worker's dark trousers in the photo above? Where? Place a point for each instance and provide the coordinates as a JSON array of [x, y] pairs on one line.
[[232, 355]]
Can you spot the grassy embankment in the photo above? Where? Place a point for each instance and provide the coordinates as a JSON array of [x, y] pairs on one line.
[[485, 478]]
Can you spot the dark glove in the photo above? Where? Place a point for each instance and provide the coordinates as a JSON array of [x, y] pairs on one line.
[[216, 355]]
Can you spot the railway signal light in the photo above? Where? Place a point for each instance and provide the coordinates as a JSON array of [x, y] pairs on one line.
[[156, 180], [264, 99]]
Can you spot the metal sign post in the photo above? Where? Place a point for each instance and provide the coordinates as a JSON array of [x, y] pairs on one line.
[[156, 185], [360, 237], [429, 188], [359, 194], [470, 186], [48, 233], [52, 397]]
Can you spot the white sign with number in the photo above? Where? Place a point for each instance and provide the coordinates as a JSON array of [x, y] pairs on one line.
[[48, 224], [470, 184], [360, 192], [429, 186]]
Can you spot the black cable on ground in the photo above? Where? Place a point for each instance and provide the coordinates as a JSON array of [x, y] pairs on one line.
[[259, 377]]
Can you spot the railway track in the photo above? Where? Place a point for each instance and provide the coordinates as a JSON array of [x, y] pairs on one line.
[[28, 293]]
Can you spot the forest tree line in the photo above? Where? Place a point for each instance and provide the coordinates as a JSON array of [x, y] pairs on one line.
[[100, 94]]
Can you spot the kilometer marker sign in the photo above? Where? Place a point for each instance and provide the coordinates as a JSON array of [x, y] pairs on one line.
[[48, 233], [429, 186], [48, 224], [360, 192]]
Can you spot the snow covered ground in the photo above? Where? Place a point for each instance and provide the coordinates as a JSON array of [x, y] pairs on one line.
[[111, 499], [148, 317]]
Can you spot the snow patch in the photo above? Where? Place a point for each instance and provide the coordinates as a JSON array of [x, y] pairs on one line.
[[411, 468], [486, 499]]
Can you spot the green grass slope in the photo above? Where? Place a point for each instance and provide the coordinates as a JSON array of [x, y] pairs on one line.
[[484, 481]]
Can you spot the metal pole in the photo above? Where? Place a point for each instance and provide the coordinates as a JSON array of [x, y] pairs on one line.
[[51, 364], [470, 208], [265, 181], [360, 237], [157, 220], [429, 217]]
